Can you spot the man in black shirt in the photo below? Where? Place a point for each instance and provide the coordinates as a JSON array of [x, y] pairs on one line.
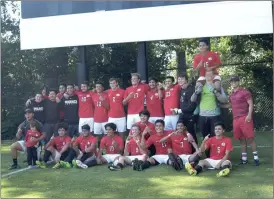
[[69, 105], [37, 105], [20, 135]]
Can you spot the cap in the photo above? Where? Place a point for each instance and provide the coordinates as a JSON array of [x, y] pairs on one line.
[[28, 110], [86, 127], [235, 79]]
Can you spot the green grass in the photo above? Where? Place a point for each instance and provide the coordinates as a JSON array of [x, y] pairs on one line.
[[155, 182]]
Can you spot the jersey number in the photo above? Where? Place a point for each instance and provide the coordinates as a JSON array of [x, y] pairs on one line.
[[182, 144], [84, 99], [164, 145], [167, 94], [99, 103], [135, 95], [113, 99], [218, 149], [111, 148]]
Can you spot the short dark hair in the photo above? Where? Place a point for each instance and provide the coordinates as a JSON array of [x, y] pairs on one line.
[[183, 75], [63, 125], [152, 78], [219, 124], [145, 112], [63, 84], [111, 125], [53, 90], [170, 77], [70, 85], [204, 40], [35, 124], [160, 121], [180, 122], [136, 125], [113, 79], [101, 83], [85, 82]]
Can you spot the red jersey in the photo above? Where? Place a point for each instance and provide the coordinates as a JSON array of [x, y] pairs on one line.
[[60, 141], [143, 126], [116, 107], [100, 112], [28, 136], [154, 103], [161, 148], [238, 100], [218, 147], [136, 104], [210, 59], [172, 99], [85, 142], [133, 148], [85, 104], [106, 143], [181, 145]]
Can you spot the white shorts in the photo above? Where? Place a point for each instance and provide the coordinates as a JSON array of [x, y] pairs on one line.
[[120, 123], [23, 145], [184, 158], [133, 157], [216, 77], [99, 128], [132, 119], [83, 121], [153, 119], [171, 122], [161, 159], [214, 163], [111, 158]]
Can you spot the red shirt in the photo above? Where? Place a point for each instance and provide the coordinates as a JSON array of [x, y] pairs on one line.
[[143, 126], [210, 59], [238, 100], [30, 134], [154, 103], [60, 141], [116, 107], [133, 148], [85, 104], [85, 142], [161, 148], [181, 145], [172, 99], [218, 147], [136, 104], [106, 143], [100, 112]]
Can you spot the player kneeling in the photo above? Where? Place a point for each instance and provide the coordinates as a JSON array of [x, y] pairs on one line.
[[220, 148], [83, 149], [133, 151], [113, 144], [181, 142], [57, 147]]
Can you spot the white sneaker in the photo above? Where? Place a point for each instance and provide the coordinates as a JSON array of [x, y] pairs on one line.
[[80, 164]]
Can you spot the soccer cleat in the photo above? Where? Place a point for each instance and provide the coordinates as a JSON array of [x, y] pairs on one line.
[[14, 166], [41, 164], [81, 164], [256, 162], [114, 168], [190, 169], [74, 165], [57, 165], [65, 164], [135, 164], [180, 162], [223, 172], [244, 162]]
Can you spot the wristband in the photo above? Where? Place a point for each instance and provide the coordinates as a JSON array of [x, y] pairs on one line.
[[179, 111]]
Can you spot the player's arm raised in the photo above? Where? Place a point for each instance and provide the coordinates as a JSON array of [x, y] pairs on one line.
[[204, 146], [192, 141], [104, 101], [128, 97], [126, 153], [167, 137], [143, 144]]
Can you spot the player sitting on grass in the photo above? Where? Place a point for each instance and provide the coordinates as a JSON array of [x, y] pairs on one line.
[[161, 156], [132, 151], [181, 152], [220, 148], [57, 147], [113, 144], [83, 149]]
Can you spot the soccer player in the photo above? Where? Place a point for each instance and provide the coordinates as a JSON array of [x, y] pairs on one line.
[[116, 112], [101, 103], [69, 104], [62, 90], [171, 103], [57, 147], [220, 148], [135, 97], [161, 156], [242, 111], [207, 61], [181, 151], [133, 151], [20, 135], [154, 100], [83, 149], [86, 106], [113, 144], [38, 107]]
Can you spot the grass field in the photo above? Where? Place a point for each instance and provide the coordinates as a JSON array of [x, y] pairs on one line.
[[245, 181]]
